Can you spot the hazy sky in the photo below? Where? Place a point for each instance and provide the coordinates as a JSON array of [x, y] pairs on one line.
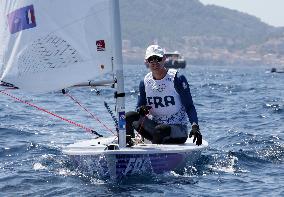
[[269, 11]]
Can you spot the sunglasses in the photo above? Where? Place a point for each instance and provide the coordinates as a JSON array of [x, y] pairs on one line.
[[154, 58]]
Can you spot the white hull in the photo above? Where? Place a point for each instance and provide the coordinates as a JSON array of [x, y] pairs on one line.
[[93, 157]]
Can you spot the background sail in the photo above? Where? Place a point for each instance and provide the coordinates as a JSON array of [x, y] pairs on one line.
[[50, 45]]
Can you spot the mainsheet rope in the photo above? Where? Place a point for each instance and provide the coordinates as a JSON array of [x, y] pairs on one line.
[[91, 114], [50, 113]]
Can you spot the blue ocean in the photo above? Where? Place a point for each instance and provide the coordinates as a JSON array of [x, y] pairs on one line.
[[241, 114]]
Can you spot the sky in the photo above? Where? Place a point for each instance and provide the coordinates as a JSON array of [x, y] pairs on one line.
[[269, 11]]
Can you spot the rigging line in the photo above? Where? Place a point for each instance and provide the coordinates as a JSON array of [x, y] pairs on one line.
[[141, 125], [50, 113], [95, 117], [112, 116]]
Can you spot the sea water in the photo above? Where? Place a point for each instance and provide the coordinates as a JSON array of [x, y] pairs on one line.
[[241, 115]]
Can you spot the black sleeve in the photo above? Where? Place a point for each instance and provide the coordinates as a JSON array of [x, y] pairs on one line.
[[142, 95]]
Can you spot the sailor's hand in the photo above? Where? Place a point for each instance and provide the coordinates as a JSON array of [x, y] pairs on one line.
[[144, 110], [195, 132]]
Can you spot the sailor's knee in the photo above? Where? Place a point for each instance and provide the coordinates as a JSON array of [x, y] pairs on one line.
[[131, 116]]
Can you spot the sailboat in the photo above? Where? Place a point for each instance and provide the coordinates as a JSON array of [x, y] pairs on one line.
[[47, 46]]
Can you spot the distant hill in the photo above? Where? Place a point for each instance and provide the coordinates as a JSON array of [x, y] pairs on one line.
[[188, 25]]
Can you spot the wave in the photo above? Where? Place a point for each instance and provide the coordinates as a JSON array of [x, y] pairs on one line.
[[274, 107]]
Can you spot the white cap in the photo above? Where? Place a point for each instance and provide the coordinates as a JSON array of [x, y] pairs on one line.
[[154, 50]]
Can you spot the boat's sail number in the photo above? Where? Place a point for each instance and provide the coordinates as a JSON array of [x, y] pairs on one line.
[[137, 165]]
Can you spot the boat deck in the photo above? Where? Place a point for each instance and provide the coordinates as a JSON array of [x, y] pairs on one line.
[[99, 146]]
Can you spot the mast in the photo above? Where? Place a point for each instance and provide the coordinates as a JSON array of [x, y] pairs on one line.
[[117, 61]]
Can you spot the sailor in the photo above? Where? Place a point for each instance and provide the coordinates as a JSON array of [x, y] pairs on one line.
[[164, 105]]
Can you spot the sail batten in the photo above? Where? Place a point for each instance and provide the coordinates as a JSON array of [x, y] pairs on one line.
[[49, 46]]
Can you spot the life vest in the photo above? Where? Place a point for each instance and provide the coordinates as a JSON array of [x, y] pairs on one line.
[[162, 96]]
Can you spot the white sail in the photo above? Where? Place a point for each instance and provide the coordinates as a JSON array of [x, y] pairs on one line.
[[53, 44]]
